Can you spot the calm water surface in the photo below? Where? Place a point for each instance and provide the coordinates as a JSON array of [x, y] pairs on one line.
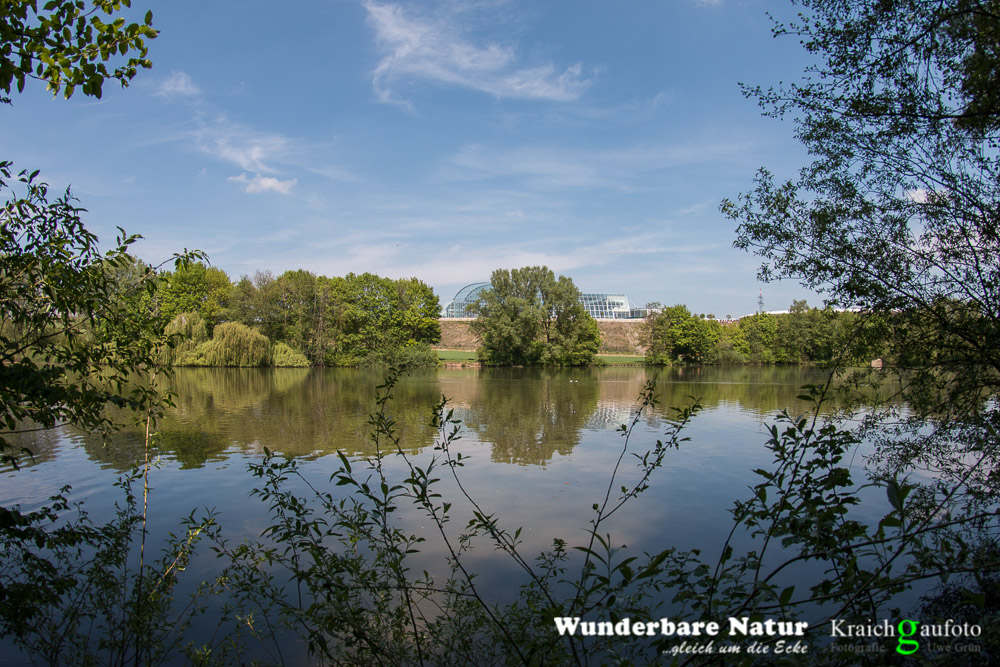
[[541, 446]]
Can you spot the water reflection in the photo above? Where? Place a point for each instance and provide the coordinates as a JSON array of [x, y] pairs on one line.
[[526, 416], [298, 412]]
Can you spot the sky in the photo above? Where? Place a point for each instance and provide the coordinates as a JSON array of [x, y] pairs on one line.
[[438, 139]]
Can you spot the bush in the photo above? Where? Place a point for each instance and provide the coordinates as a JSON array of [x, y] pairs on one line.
[[234, 344], [415, 355], [185, 332], [283, 356]]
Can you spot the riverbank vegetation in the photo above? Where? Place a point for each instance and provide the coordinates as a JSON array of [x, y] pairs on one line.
[[297, 316], [802, 335]]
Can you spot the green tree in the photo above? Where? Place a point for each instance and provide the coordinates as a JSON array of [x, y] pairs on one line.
[[897, 215], [130, 314], [374, 319], [62, 335], [898, 212], [74, 347], [675, 334], [234, 344], [528, 317], [70, 44], [754, 337], [195, 287], [185, 333]]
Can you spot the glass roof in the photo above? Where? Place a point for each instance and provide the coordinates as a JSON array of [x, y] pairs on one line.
[[600, 306]]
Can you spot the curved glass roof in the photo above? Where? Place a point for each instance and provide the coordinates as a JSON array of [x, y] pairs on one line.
[[600, 306], [459, 306]]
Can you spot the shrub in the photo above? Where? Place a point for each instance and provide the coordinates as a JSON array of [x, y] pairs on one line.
[[283, 356], [235, 344], [185, 332], [415, 355]]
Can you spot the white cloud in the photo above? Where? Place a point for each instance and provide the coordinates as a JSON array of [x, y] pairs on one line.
[[434, 48], [260, 183], [178, 84], [259, 152], [242, 146], [583, 168]]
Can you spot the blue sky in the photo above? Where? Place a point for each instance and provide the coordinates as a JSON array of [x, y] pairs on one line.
[[440, 140]]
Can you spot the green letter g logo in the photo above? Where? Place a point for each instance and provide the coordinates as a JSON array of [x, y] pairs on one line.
[[907, 628]]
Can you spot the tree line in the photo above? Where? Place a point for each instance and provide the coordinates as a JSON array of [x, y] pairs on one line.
[[802, 335], [527, 317], [295, 319]]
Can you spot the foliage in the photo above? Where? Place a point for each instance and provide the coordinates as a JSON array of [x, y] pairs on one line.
[[77, 343], [381, 316], [755, 337], [897, 215], [232, 344], [529, 317], [342, 321], [184, 334], [803, 335], [574, 338], [194, 287], [56, 297], [674, 334], [68, 45], [414, 355], [74, 346], [72, 594], [129, 313], [283, 356]]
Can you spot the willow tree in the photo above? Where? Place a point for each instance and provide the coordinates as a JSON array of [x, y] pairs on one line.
[[235, 344]]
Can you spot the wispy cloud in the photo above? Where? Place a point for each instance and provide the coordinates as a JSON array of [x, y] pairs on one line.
[[583, 168], [438, 49], [258, 152], [178, 84], [258, 183], [243, 146]]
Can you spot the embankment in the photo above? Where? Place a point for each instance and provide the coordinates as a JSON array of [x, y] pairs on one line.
[[617, 336]]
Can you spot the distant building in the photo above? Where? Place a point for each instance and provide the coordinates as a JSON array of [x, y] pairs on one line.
[[600, 306]]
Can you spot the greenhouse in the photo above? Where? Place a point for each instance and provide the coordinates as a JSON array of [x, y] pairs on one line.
[[459, 306], [600, 306]]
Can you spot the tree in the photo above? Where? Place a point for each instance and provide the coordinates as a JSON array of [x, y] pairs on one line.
[[69, 45], [380, 317], [899, 211], [72, 347], [754, 337], [194, 287], [55, 290], [898, 215], [674, 334], [529, 317]]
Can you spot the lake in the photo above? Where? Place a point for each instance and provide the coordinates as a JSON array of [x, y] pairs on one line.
[[540, 447]]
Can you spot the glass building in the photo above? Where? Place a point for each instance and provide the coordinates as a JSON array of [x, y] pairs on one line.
[[600, 306], [459, 306]]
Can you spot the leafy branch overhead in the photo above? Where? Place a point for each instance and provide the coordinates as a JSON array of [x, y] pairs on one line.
[[71, 44]]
